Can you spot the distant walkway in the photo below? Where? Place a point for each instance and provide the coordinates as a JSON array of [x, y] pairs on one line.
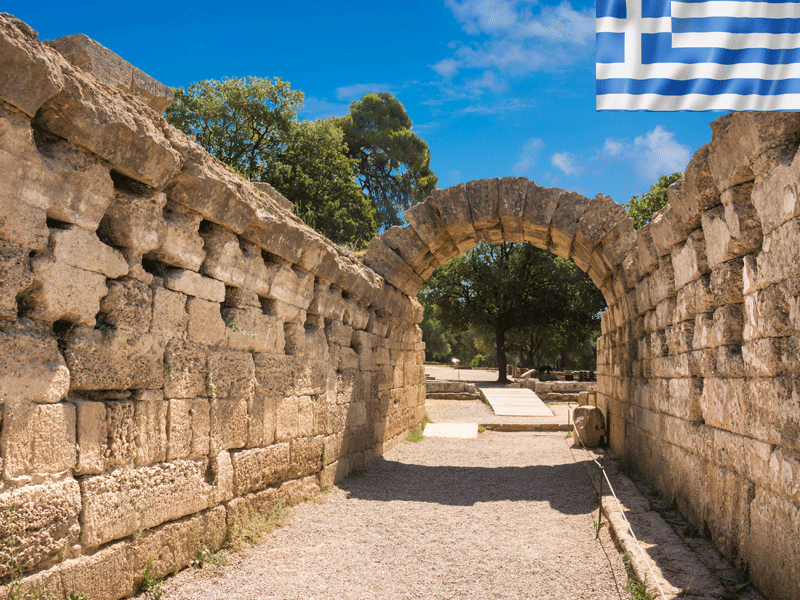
[[504, 516], [511, 402]]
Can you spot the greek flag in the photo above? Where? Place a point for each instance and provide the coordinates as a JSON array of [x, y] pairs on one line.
[[698, 55]]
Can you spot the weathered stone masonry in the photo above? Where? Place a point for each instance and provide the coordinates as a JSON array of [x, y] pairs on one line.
[[178, 349]]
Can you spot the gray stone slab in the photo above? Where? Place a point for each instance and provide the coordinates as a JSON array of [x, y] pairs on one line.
[[515, 402]]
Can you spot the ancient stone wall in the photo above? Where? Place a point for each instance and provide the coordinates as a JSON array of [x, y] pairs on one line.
[[176, 349]]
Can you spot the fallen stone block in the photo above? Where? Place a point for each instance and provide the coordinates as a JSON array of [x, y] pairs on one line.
[[589, 426]]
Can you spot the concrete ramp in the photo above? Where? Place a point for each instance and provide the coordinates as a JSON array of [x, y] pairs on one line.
[[515, 402]]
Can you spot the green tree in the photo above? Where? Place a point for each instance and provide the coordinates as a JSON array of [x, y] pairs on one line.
[[495, 286], [244, 122], [641, 208], [314, 173], [393, 162]]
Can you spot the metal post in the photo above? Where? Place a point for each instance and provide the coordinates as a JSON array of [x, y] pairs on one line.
[[600, 508]]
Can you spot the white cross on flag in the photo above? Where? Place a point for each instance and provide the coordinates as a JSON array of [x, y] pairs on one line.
[[698, 55]]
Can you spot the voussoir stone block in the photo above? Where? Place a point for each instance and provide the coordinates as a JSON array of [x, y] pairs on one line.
[[540, 205], [429, 225], [484, 206], [513, 192], [601, 216], [384, 261], [411, 248], [453, 209], [32, 71], [564, 222]]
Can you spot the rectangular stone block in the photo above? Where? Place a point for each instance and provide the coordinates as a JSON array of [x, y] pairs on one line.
[[32, 368], [287, 418], [274, 373], [64, 292], [114, 360], [228, 423], [128, 305], [181, 245], [37, 438], [150, 427], [194, 284], [131, 500], [260, 420], [205, 322], [44, 517], [169, 313], [233, 373], [188, 428], [105, 575], [305, 456], [689, 260], [256, 468], [134, 219]]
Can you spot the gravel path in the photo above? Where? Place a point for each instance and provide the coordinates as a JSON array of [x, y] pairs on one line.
[[507, 515]]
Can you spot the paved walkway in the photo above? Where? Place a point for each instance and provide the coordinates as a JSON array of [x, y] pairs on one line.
[[503, 516], [515, 402]]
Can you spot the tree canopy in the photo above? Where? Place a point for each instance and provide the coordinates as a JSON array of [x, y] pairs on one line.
[[393, 163], [517, 294], [641, 208]]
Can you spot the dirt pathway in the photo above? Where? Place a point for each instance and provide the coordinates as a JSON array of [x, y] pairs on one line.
[[509, 515]]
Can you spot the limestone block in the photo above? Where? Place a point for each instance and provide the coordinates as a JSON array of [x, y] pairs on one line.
[[727, 326], [228, 423], [739, 139], [32, 369], [689, 260], [64, 292], [232, 372], [661, 229], [37, 70], [185, 372], [295, 339], [775, 196], [88, 55], [618, 242], [37, 438], [589, 425], [120, 427], [104, 122], [744, 223], [128, 305], [224, 259], [702, 362], [205, 322], [540, 205], [117, 360], [453, 208], [135, 220], [292, 286], [173, 546], [305, 456], [339, 333], [15, 276], [287, 418], [785, 473], [387, 263], [405, 242], [193, 284], [680, 337], [762, 357], [602, 214], [327, 302], [780, 253], [182, 245], [767, 314], [92, 436], [729, 362], [274, 373], [697, 191], [81, 248], [306, 422], [309, 377], [118, 504], [250, 329], [45, 519], [774, 531], [256, 468], [105, 575], [643, 300], [513, 191], [317, 343], [169, 317], [484, 206], [564, 222], [726, 283], [150, 427], [790, 355], [355, 315], [188, 428], [84, 186], [260, 421], [429, 225], [684, 398], [299, 490]]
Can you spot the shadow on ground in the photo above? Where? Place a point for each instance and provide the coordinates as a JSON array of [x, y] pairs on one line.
[[565, 487]]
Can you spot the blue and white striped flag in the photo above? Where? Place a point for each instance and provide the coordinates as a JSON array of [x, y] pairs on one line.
[[660, 55]]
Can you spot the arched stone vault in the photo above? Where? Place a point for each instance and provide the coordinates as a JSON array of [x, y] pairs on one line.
[[596, 233]]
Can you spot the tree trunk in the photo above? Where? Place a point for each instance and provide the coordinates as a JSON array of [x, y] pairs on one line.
[[500, 337]]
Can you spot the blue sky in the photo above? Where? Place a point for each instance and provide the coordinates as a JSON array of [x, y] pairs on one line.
[[496, 87]]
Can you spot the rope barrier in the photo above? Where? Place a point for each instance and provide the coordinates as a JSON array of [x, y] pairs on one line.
[[621, 512]]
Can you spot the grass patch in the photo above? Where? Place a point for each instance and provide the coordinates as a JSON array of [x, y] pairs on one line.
[[152, 584], [636, 588], [415, 435], [481, 428], [248, 527]]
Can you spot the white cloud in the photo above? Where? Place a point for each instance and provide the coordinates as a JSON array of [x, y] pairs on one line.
[[566, 162], [520, 41], [529, 155], [659, 153], [487, 81], [355, 91], [613, 148]]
